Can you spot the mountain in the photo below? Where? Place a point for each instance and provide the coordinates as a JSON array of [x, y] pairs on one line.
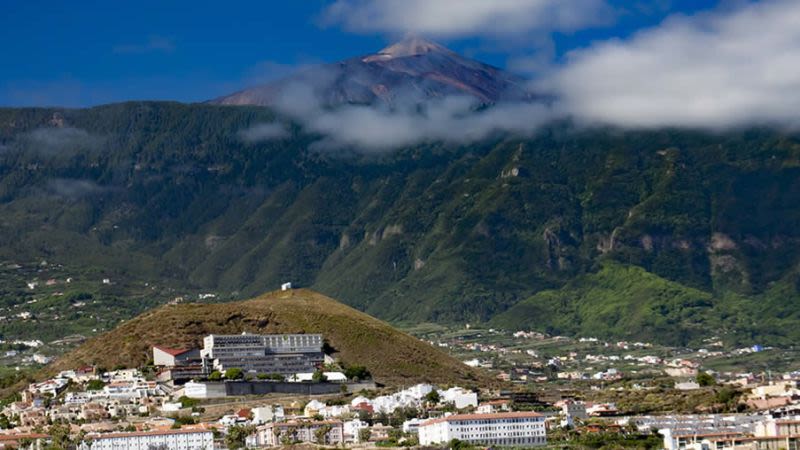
[[391, 356], [672, 235], [414, 67]]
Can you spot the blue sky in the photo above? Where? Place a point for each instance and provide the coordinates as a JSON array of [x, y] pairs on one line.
[[93, 52]]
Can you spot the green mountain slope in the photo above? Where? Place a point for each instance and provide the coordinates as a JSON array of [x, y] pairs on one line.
[[169, 194]]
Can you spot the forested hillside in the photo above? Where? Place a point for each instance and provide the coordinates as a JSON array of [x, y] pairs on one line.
[[666, 235]]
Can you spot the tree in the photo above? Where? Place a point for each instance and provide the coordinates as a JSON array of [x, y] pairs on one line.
[[705, 379], [187, 402], [95, 385], [237, 435], [215, 376], [321, 433], [433, 397], [364, 434], [234, 373], [319, 377], [60, 435], [357, 373]]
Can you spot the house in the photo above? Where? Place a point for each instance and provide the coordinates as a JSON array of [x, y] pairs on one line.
[[412, 425], [502, 405], [171, 357], [379, 432], [297, 431], [572, 409], [520, 429], [352, 430], [264, 414], [460, 397], [313, 408]]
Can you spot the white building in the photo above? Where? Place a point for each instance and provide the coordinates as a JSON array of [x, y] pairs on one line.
[[523, 429], [284, 354], [460, 397], [171, 357], [204, 390], [264, 414], [171, 439], [333, 377], [352, 428]]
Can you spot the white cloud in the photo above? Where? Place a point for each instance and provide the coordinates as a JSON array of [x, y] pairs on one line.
[[263, 132], [74, 188], [409, 121], [467, 18], [715, 70]]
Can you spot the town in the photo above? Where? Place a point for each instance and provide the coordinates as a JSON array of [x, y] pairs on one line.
[[259, 391]]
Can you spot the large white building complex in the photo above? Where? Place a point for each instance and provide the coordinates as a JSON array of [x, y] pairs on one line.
[[188, 439], [502, 429], [269, 354]]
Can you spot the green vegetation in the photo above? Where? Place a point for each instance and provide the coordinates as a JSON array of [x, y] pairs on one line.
[[319, 377], [95, 385], [234, 373], [165, 200], [623, 301], [358, 373], [704, 379], [237, 434], [187, 402]]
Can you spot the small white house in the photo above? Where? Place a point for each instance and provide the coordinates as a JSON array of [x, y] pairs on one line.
[[286, 286]]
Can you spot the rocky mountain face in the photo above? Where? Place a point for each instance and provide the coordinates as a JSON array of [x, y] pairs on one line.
[[412, 68], [660, 235]]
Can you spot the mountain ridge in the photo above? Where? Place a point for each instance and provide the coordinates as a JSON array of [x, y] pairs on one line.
[[412, 67], [169, 194]]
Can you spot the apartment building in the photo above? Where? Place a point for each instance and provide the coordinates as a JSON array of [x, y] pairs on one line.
[[519, 429], [274, 353], [188, 439]]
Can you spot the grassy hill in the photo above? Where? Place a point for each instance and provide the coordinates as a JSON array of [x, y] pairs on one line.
[[392, 356]]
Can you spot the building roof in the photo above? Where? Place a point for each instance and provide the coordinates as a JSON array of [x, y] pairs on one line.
[[147, 433], [16, 437], [492, 416], [172, 351], [710, 434]]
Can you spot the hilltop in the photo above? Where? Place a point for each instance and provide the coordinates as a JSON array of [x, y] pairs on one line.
[[392, 356]]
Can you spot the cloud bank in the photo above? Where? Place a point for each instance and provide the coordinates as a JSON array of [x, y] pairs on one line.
[[716, 70], [74, 188], [466, 18], [407, 121], [60, 141], [263, 132]]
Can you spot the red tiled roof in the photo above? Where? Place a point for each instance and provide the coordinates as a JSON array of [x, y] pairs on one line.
[[15, 437], [508, 415], [172, 351]]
